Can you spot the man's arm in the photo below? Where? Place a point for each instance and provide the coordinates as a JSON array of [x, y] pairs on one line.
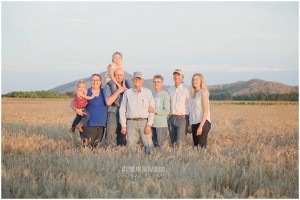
[[151, 114], [122, 110], [109, 99], [152, 104]]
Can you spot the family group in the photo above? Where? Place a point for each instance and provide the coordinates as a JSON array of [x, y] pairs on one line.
[[126, 114]]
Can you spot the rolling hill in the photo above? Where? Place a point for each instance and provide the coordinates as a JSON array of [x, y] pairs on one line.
[[253, 86], [225, 91], [70, 87]]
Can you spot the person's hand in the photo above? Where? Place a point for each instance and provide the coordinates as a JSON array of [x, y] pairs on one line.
[[121, 90], [199, 131], [147, 129], [151, 109], [118, 85], [124, 85], [123, 130], [190, 128], [80, 112], [93, 96]]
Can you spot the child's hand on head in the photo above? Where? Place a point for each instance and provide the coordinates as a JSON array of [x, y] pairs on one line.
[[119, 85]]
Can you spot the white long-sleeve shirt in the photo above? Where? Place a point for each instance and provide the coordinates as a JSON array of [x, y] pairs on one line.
[[179, 100], [135, 105]]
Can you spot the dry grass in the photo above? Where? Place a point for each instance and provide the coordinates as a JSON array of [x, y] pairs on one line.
[[252, 153]]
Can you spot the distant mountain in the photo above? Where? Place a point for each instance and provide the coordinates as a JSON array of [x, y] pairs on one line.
[[71, 86], [254, 86]]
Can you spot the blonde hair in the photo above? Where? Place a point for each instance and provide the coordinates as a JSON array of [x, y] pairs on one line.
[[202, 84], [116, 53], [79, 82]]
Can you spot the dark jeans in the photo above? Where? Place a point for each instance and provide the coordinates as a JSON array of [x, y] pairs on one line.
[[159, 135], [113, 127], [114, 88], [92, 136], [201, 140], [83, 119], [177, 129]]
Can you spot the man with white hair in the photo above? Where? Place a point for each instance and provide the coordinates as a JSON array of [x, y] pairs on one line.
[[135, 119], [113, 127], [179, 115]]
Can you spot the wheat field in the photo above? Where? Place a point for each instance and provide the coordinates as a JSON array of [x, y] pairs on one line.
[[252, 152]]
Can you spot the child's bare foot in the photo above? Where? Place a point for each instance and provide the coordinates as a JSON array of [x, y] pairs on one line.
[[79, 127]]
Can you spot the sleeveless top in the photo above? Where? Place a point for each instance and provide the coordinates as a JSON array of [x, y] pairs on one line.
[[97, 109], [196, 109], [79, 102]]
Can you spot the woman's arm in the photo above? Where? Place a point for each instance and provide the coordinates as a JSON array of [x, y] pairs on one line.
[[166, 107], [205, 102], [78, 111]]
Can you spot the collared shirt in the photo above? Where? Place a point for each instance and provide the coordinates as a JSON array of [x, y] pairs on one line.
[[107, 94], [135, 105], [162, 109], [179, 100], [196, 109]]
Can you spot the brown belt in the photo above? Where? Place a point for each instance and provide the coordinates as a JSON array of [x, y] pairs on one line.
[[137, 119], [179, 116]]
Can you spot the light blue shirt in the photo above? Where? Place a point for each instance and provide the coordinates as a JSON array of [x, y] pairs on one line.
[[162, 109], [136, 104]]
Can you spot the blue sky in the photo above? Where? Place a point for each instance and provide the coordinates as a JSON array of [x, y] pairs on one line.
[[47, 44]]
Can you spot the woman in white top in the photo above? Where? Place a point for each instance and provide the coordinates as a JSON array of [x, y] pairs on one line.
[[199, 111]]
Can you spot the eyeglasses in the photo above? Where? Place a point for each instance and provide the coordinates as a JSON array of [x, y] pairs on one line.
[[157, 82]]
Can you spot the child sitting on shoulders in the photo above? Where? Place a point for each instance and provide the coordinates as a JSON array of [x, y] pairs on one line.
[[110, 78]]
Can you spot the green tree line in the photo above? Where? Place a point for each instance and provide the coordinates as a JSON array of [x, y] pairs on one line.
[[37, 94], [294, 96]]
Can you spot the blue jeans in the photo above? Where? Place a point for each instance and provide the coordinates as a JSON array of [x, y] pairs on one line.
[[159, 135], [177, 129], [113, 127], [114, 88], [135, 130], [83, 119]]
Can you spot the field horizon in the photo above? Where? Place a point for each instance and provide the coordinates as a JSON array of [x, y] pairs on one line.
[[252, 152]]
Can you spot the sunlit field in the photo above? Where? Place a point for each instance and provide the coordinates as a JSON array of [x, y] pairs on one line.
[[252, 152]]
